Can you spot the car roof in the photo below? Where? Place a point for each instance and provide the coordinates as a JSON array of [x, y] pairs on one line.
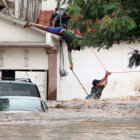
[[17, 82], [20, 97]]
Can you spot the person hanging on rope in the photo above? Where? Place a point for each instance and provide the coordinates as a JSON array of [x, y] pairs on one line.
[[98, 86], [68, 36], [62, 17]]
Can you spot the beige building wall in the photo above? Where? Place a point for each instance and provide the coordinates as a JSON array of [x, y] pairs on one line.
[[24, 58], [87, 68], [10, 32], [50, 5]]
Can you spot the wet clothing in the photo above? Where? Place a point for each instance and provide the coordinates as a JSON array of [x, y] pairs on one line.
[[96, 91], [68, 36], [60, 15], [55, 30]]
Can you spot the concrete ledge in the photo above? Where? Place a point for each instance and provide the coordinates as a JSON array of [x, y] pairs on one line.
[[53, 40], [42, 45]]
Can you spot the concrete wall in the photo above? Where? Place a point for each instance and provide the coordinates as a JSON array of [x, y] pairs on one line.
[[87, 67], [11, 32], [23, 58], [20, 58], [27, 9], [50, 5]]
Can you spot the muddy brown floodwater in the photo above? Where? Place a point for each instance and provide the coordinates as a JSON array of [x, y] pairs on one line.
[[112, 119]]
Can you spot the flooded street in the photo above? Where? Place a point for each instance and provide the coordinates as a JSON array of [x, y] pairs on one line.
[[116, 119]]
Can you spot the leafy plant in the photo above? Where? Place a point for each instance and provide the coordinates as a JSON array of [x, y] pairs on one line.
[[134, 59], [105, 22], [116, 19]]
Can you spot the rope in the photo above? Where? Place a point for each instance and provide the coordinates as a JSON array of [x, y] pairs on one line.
[[79, 82], [99, 60], [106, 69]]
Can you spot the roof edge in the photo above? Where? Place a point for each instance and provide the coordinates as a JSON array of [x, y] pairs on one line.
[[29, 45], [18, 22]]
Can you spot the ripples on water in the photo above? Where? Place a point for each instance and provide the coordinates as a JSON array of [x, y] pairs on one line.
[[74, 120]]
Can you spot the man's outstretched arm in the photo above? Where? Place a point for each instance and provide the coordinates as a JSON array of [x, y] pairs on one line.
[[52, 18], [70, 60], [104, 79]]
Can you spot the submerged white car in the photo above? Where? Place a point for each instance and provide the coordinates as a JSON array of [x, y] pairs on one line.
[[22, 103], [19, 87]]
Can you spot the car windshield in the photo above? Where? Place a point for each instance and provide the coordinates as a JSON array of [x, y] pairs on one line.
[[16, 104], [17, 89]]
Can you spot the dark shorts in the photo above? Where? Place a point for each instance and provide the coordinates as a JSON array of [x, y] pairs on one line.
[[54, 30], [98, 92]]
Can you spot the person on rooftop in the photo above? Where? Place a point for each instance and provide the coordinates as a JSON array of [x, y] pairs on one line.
[[68, 36], [62, 17]]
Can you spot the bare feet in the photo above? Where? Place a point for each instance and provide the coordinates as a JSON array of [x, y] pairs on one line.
[[27, 24]]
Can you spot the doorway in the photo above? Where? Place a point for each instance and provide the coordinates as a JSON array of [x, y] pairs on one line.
[[8, 74]]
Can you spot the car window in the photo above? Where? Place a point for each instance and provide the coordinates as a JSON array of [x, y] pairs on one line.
[[15, 89], [15, 104]]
